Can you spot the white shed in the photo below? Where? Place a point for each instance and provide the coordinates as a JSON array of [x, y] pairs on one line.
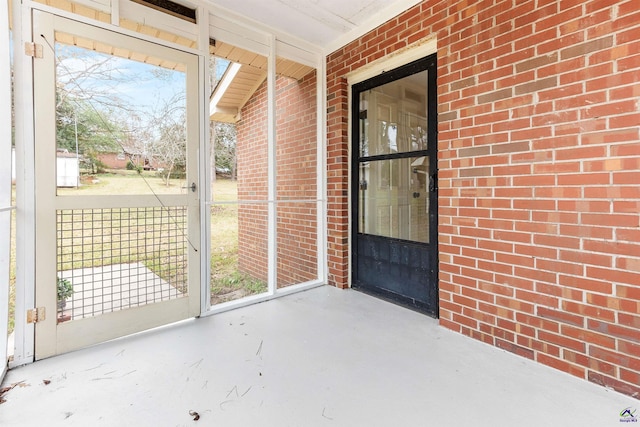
[[68, 170]]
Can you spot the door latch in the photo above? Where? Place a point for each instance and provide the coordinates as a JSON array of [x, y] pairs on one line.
[[193, 187], [433, 182]]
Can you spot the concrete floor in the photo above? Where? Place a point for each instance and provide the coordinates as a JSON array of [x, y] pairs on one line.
[[324, 357]]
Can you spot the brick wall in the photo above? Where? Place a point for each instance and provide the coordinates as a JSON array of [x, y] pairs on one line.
[[296, 160], [251, 152], [539, 175]]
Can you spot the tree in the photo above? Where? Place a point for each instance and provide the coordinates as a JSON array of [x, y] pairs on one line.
[[223, 135], [90, 112], [225, 148], [87, 108], [83, 129], [169, 147]]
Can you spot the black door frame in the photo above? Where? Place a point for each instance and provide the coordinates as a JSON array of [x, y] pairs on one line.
[[429, 64]]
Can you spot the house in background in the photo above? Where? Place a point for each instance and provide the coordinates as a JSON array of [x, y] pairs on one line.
[[476, 161], [123, 160]]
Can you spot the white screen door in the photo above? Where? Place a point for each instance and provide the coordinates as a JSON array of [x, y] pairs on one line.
[[117, 220]]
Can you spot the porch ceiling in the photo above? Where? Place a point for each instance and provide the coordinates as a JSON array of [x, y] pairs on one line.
[[324, 23]]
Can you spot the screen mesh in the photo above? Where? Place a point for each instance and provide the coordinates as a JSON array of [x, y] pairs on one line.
[[114, 259]]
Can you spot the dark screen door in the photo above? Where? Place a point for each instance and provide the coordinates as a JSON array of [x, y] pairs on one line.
[[394, 121]]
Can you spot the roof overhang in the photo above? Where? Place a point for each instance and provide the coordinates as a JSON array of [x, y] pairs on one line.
[[242, 78]]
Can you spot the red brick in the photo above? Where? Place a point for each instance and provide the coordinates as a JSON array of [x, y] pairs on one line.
[[617, 385], [591, 337], [513, 348], [585, 284], [589, 311], [560, 316], [561, 365], [625, 333], [562, 341], [615, 358], [558, 187]]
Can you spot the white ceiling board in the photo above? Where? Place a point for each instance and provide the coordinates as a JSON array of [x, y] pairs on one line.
[[322, 23]]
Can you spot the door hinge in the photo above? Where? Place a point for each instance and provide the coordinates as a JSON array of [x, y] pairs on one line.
[[36, 315], [33, 49]]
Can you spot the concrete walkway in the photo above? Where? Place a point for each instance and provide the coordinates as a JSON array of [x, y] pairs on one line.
[[100, 290], [324, 357]]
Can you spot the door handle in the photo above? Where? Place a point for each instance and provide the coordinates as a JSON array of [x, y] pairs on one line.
[[193, 187], [433, 182]]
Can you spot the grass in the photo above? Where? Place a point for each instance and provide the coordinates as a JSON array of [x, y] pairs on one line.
[[125, 182], [226, 282]]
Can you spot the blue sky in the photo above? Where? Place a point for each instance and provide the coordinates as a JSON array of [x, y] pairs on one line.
[[135, 83]]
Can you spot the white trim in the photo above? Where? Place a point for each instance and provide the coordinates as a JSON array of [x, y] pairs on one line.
[[239, 34], [262, 202], [25, 186], [272, 220], [102, 6], [297, 54], [255, 299], [115, 12], [110, 27], [384, 15], [5, 183], [349, 192], [222, 87], [406, 55], [234, 18], [204, 159], [321, 183], [160, 20]]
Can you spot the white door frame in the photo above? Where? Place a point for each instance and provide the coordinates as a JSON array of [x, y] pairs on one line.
[[5, 182], [25, 175]]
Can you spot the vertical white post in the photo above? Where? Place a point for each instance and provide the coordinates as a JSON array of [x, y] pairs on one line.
[[321, 183], [5, 181], [75, 128], [25, 185], [205, 159], [115, 12], [272, 168]]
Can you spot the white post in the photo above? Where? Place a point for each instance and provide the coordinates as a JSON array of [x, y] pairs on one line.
[[271, 169], [321, 183], [75, 119], [25, 186], [5, 181], [205, 167]]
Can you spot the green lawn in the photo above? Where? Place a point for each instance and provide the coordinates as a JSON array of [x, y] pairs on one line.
[[227, 282], [125, 182]]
